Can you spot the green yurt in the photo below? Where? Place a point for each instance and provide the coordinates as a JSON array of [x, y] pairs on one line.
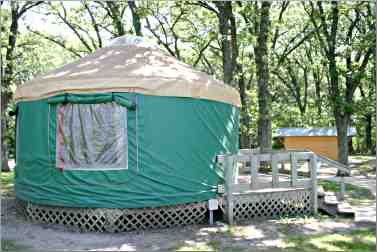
[[128, 126]]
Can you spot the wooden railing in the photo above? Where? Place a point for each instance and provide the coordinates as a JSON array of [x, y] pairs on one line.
[[252, 160]]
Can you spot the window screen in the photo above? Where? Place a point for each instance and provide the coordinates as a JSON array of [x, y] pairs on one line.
[[91, 136]]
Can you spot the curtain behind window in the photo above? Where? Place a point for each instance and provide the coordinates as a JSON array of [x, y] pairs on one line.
[[92, 136]]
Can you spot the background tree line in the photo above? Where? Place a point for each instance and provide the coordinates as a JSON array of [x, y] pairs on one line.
[[295, 64]]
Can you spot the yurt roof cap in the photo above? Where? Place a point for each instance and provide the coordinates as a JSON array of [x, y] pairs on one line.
[[129, 64], [129, 40]]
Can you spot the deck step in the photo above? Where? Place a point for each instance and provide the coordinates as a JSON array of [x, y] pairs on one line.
[[320, 192], [327, 209], [329, 203], [331, 199], [346, 210], [365, 216]]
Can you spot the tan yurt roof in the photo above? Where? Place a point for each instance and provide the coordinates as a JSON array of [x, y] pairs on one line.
[[129, 67]]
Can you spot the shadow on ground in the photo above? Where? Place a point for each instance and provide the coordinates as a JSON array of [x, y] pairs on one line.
[[310, 233]]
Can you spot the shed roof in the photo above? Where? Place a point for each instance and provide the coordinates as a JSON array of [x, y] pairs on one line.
[[129, 64], [283, 132]]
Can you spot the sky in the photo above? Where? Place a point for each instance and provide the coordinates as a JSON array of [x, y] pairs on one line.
[[37, 19], [47, 23]]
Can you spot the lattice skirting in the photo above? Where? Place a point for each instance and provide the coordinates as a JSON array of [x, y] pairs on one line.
[[270, 204], [116, 220]]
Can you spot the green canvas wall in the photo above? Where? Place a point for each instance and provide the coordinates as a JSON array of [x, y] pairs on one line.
[[177, 139]]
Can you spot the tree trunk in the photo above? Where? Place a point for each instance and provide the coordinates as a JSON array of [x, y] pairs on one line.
[[371, 148], [342, 124], [261, 60], [116, 18], [368, 133], [4, 146], [245, 141], [6, 93], [341, 118], [135, 18], [227, 28], [318, 101], [367, 144]]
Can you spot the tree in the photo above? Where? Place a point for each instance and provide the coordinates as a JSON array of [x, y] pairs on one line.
[[115, 11], [366, 111], [89, 22], [136, 20], [228, 38], [261, 61], [16, 12], [277, 55], [234, 72], [165, 31], [356, 60]]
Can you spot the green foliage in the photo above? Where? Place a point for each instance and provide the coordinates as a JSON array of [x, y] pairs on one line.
[[363, 239], [31, 59], [357, 240], [299, 76], [277, 144], [355, 195], [335, 187], [10, 245], [7, 184]]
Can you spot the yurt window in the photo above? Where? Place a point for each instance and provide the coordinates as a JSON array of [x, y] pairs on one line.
[[92, 136]]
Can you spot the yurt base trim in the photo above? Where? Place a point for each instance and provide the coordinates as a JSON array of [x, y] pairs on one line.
[[253, 207], [115, 220], [270, 205]]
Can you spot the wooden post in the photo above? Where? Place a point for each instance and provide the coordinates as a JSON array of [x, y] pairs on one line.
[[313, 175], [275, 171], [342, 188], [254, 167], [236, 171], [293, 169], [228, 169], [211, 217], [283, 165]]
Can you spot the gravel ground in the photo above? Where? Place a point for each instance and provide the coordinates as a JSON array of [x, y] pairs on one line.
[[262, 234]]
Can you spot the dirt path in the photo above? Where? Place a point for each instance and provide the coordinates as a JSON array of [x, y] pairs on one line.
[[363, 176], [365, 210], [258, 234], [262, 234]]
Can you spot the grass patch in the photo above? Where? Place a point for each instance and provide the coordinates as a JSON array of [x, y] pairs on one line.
[[363, 157], [304, 219], [335, 187], [355, 195], [212, 245], [7, 184], [352, 190], [233, 249], [366, 165], [10, 245], [231, 231], [286, 224], [353, 201], [238, 249], [367, 168], [357, 240], [215, 244]]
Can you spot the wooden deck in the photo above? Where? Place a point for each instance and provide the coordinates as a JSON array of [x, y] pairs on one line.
[[250, 173]]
